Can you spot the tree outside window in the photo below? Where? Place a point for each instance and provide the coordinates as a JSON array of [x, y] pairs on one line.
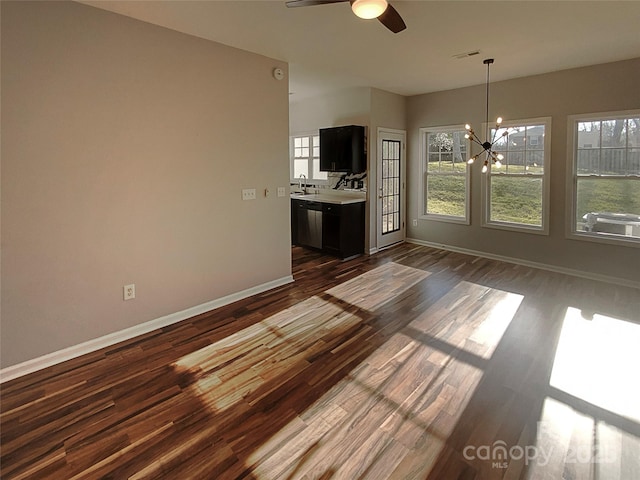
[[606, 180], [516, 193], [445, 180]]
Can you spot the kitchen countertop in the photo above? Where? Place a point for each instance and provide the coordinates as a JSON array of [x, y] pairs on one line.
[[338, 198]]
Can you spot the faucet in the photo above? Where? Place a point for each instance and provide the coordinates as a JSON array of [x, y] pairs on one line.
[[304, 189]]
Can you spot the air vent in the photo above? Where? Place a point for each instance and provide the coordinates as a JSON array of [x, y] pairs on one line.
[[466, 54]]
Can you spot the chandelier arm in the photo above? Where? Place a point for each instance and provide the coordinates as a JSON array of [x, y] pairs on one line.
[[493, 137], [477, 141]]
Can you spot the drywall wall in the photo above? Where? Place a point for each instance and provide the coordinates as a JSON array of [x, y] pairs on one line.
[[349, 106], [388, 110], [125, 147], [600, 88]]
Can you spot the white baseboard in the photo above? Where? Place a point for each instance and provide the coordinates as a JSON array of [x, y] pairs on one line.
[[527, 263], [30, 366]]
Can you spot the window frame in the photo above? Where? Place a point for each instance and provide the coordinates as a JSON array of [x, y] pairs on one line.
[[571, 231], [545, 176], [424, 151], [292, 158]]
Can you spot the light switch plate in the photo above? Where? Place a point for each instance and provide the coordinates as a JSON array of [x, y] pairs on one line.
[[281, 192]]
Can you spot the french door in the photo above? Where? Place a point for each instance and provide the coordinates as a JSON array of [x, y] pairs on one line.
[[391, 166]]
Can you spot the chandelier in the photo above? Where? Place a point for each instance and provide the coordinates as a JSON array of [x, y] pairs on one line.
[[490, 155]]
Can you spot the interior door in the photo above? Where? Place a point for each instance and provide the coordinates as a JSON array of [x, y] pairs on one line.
[[391, 190]]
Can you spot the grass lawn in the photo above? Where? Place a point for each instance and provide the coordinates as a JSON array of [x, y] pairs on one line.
[[605, 195], [518, 199]]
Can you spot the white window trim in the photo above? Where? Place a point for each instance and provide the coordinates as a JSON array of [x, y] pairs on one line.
[[572, 179], [546, 187], [466, 220], [314, 181]]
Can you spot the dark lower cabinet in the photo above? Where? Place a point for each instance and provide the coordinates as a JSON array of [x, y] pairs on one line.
[[342, 228], [331, 228], [295, 204]]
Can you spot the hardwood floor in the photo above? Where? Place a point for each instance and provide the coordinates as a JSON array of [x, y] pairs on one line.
[[411, 364]]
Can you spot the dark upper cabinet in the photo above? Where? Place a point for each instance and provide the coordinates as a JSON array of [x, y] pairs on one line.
[[342, 149]]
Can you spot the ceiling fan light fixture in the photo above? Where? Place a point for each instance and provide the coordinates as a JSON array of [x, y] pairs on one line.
[[369, 9]]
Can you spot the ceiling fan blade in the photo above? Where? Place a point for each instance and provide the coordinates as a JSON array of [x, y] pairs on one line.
[[391, 19], [310, 3]]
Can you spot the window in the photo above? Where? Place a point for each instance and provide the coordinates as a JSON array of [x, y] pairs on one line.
[[446, 179], [606, 177], [517, 193], [305, 158]]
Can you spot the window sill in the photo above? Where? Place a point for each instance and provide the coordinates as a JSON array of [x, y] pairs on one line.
[[516, 227], [444, 218], [609, 239]]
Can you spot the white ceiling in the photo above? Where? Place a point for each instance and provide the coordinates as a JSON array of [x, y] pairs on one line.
[[328, 47]]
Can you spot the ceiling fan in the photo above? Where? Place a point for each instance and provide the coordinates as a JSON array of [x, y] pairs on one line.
[[367, 9]]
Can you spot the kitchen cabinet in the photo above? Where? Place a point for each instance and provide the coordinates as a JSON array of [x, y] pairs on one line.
[[337, 229], [343, 229], [342, 149]]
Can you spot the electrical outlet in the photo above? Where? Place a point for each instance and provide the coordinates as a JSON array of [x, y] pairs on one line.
[[415, 222], [129, 292], [281, 192], [248, 194]]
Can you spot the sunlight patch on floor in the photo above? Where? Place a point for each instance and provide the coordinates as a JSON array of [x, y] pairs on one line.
[[381, 414], [571, 444], [395, 410], [373, 289], [477, 331], [254, 361], [492, 327], [597, 359]]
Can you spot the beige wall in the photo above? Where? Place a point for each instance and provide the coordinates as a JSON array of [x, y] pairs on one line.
[[349, 106], [601, 88], [388, 110], [125, 147]]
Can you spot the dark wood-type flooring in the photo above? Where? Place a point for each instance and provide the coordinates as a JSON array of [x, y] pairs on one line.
[[414, 363]]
